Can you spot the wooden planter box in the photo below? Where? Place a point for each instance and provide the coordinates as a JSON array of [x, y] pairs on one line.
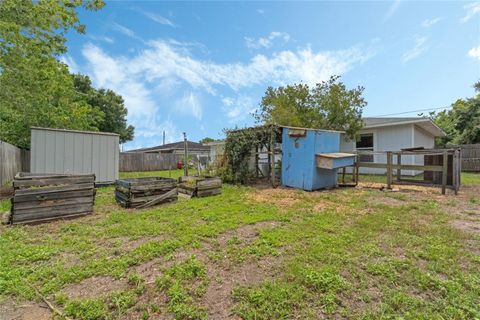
[[200, 186], [145, 192], [44, 197]]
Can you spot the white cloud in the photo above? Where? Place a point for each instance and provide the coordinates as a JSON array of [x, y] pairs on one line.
[[419, 48], [260, 11], [146, 79], [113, 73], [190, 105], [474, 53], [472, 10], [72, 65], [228, 101], [427, 23], [239, 108], [392, 9], [124, 30], [166, 60], [266, 42], [159, 19], [102, 38]]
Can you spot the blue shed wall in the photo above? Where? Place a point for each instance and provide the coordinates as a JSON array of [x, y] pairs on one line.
[[299, 168]]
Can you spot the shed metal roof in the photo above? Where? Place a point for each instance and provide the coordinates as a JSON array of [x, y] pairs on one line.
[[76, 131]]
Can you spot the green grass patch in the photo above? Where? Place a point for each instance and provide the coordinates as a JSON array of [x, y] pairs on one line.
[[347, 253]]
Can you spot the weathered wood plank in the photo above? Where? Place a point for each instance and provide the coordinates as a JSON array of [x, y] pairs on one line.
[[200, 186], [50, 182], [137, 192], [51, 209], [34, 176], [17, 206], [52, 196], [31, 214], [47, 219], [56, 189], [170, 194], [35, 199]]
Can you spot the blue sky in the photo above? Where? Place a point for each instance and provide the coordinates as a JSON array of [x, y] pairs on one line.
[[201, 67]]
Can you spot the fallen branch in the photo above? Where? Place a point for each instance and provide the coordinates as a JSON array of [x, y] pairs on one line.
[[50, 305]]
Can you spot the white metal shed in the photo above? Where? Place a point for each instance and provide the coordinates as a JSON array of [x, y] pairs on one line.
[[75, 152]]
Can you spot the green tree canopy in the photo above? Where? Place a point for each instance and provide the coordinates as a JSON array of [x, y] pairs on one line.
[[328, 105], [206, 140], [109, 103], [462, 122], [37, 89]]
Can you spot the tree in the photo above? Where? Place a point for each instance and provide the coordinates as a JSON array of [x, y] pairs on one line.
[[37, 89], [462, 122], [109, 103], [206, 140], [329, 105]]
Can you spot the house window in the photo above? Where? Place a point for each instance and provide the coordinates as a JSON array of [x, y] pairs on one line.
[[365, 144]]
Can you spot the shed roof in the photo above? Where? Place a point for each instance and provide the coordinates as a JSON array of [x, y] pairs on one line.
[[76, 131], [423, 122]]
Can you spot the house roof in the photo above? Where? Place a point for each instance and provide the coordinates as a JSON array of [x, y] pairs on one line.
[[192, 146], [423, 122]]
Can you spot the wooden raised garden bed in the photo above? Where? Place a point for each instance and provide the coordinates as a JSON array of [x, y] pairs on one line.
[[44, 197], [200, 186], [145, 192]]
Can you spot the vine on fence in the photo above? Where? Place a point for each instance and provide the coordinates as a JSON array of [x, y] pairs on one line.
[[239, 148]]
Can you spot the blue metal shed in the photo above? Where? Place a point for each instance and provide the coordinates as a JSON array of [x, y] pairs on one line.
[[300, 150]]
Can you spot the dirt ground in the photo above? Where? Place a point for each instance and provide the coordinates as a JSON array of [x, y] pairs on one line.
[[12, 310], [224, 275]]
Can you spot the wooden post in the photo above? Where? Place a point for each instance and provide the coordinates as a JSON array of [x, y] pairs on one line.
[[444, 171], [185, 159], [389, 170], [457, 170], [256, 161], [399, 162], [272, 157], [357, 160], [460, 161], [343, 174]]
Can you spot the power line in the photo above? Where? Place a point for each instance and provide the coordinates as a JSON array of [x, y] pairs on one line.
[[406, 112]]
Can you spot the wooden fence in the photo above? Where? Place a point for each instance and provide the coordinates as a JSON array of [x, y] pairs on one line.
[[470, 156], [131, 161], [12, 161], [449, 174]]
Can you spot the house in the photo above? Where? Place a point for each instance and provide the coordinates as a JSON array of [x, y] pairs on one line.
[[217, 149], [393, 134], [194, 149]]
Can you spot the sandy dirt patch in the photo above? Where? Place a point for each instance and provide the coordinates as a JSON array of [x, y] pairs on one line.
[[281, 197], [94, 287], [10, 309]]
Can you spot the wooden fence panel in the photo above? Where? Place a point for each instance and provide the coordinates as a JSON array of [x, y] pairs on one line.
[[470, 156], [131, 161], [12, 161]]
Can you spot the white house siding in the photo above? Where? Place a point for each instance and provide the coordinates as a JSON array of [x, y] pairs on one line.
[[393, 138], [421, 138]]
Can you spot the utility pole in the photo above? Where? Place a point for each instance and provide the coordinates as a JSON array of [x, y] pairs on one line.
[[163, 137], [185, 159]]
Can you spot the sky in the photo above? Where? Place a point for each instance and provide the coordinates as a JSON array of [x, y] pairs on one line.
[[201, 67]]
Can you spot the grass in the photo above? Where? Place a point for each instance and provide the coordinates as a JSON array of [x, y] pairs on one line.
[[470, 178], [361, 254]]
